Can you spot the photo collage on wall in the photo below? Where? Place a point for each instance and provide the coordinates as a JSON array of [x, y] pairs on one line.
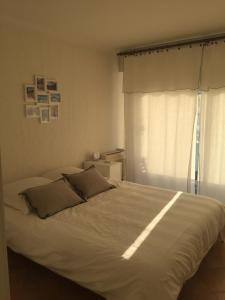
[[42, 99]]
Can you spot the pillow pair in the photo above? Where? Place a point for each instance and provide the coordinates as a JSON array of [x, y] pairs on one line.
[[88, 183], [49, 199]]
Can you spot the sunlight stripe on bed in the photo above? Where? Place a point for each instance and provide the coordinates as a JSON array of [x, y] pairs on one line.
[[148, 229]]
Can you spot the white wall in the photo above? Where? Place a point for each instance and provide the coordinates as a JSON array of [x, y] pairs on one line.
[[88, 113]]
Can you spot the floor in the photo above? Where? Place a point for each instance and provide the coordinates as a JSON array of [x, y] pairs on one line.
[[30, 281]]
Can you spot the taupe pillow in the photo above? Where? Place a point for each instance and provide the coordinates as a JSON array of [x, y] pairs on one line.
[[49, 199], [88, 183]]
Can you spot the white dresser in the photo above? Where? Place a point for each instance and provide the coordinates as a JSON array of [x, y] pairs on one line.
[[109, 169]]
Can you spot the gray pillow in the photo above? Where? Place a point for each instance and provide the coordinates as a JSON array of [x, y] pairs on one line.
[[49, 199], [88, 183]]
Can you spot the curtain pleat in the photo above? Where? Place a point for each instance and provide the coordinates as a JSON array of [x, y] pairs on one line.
[[212, 145]]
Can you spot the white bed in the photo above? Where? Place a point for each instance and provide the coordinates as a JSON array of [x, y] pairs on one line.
[[90, 243]]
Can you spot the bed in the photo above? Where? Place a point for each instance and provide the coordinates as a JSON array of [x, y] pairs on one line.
[[133, 242]]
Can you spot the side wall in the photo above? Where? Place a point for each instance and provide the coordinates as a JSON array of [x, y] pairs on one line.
[[4, 279], [87, 113]]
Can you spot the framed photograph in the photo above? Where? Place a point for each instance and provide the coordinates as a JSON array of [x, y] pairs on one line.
[[29, 93], [32, 111], [44, 114], [42, 98], [51, 85], [54, 112], [55, 97], [40, 83]]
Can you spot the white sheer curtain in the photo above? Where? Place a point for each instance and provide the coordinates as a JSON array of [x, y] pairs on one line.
[[159, 132], [212, 144]]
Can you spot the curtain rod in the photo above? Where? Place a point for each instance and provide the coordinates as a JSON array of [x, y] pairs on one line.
[[174, 44]]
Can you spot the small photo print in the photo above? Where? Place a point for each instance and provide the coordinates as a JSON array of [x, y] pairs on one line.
[[42, 98], [40, 82], [55, 97], [51, 85], [29, 90], [54, 112], [32, 111], [44, 115]]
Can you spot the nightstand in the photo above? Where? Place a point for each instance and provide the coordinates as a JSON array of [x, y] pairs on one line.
[[109, 169]]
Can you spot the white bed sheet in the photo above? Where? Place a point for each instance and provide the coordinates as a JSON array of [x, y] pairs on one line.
[[86, 243]]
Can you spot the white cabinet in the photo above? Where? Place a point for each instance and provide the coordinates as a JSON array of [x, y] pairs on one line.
[[109, 169]]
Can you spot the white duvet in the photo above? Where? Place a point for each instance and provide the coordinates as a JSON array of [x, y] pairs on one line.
[[86, 243]]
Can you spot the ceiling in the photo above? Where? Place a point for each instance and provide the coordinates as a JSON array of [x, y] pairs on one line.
[[117, 24]]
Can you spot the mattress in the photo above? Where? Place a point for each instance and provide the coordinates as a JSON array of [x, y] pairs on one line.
[[133, 242]]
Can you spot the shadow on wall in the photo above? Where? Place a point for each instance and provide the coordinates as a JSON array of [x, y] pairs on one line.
[[117, 107]]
